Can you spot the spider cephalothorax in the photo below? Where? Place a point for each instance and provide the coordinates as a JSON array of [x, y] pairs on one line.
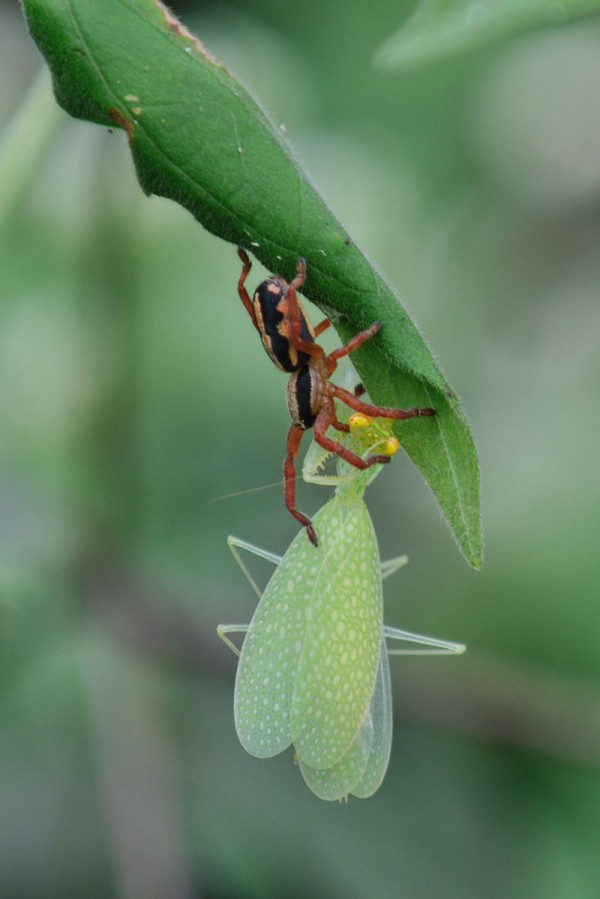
[[289, 339]]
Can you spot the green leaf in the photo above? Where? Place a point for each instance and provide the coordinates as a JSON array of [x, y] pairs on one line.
[[199, 138], [441, 28]]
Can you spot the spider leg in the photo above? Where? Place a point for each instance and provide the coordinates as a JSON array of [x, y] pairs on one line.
[[243, 293], [324, 420], [298, 281], [350, 399], [294, 316], [294, 437], [340, 426], [353, 344], [322, 326]]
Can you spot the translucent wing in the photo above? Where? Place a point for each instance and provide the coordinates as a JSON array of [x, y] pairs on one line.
[[337, 666], [362, 769], [383, 717], [309, 660], [314, 666], [381, 702], [337, 782], [271, 651]]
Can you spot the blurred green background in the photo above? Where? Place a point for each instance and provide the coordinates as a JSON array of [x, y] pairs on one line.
[[134, 391]]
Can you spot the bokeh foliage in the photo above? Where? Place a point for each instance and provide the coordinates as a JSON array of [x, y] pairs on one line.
[[126, 407]]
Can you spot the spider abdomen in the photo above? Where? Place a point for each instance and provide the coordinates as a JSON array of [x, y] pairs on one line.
[[304, 396]]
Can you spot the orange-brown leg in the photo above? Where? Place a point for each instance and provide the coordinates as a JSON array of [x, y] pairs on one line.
[[294, 317], [325, 419], [350, 399], [243, 293], [293, 307], [352, 345], [340, 426], [294, 438], [322, 326]]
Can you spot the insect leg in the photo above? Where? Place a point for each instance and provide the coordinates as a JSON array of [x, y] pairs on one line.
[[234, 544], [392, 565], [435, 646], [223, 629]]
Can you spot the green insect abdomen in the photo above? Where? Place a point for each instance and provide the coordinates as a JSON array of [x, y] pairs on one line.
[[269, 659]]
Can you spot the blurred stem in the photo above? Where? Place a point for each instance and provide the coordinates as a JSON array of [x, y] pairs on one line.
[[24, 141], [134, 763]]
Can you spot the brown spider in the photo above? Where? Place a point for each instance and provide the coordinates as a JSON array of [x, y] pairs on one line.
[[289, 339]]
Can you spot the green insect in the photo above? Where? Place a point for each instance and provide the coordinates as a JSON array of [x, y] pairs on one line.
[[313, 669]]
